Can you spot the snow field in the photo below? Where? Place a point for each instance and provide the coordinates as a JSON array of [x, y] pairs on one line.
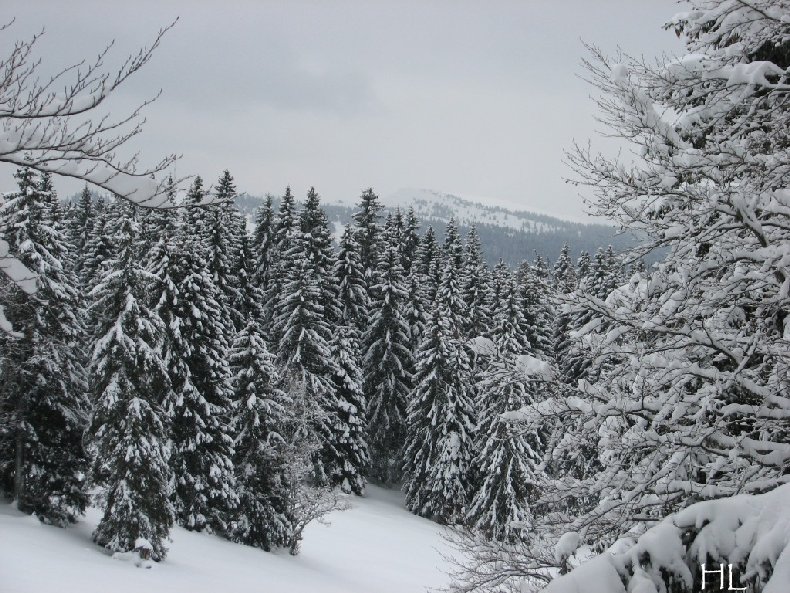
[[375, 547]]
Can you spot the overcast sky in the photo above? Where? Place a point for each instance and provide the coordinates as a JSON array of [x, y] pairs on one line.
[[473, 98]]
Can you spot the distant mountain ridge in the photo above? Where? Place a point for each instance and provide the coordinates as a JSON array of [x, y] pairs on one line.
[[512, 235]]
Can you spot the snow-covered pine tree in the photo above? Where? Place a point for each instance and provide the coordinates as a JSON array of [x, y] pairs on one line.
[[316, 247], [43, 393], [157, 231], [249, 297], [564, 284], [440, 426], [80, 229], [508, 459], [368, 232], [564, 276], [262, 243], [427, 267], [453, 249], [346, 456], [474, 285], [614, 266], [353, 301], [414, 313], [411, 241], [393, 230], [200, 407], [304, 352], [342, 457], [537, 297], [55, 209], [99, 247], [388, 368], [262, 414], [496, 290], [441, 412], [286, 231], [129, 426], [222, 243], [583, 267]]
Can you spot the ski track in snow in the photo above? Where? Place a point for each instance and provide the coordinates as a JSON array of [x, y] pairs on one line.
[[375, 547]]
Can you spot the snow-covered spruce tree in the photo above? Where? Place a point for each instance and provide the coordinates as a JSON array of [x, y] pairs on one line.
[[413, 308], [439, 426], [414, 313], [200, 406], [603, 280], [508, 459], [441, 415], [393, 230], [342, 458], [99, 247], [427, 267], [453, 248], [56, 213], [537, 297], [129, 425], [347, 456], [249, 298], [564, 275], [80, 228], [353, 301], [151, 222], [388, 368], [564, 285], [261, 417], [43, 393], [411, 241], [222, 243], [286, 230], [304, 352], [496, 290], [474, 285], [449, 294], [368, 231], [262, 243], [316, 247]]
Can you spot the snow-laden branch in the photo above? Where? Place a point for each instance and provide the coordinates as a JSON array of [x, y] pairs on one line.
[[53, 125]]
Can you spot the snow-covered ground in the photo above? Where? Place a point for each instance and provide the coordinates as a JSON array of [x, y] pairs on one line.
[[375, 547]]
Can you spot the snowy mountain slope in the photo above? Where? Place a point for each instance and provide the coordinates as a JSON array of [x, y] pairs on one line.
[[433, 205], [375, 547]]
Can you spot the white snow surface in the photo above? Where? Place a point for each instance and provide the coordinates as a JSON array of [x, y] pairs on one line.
[[375, 547], [534, 368]]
